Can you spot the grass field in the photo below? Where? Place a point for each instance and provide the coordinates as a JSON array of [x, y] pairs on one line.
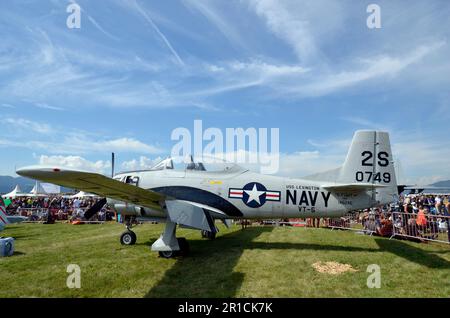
[[254, 262]]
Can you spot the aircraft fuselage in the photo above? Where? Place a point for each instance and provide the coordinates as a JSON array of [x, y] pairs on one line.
[[244, 194]]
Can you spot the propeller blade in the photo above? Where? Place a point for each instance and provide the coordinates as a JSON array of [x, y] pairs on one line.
[[95, 209]]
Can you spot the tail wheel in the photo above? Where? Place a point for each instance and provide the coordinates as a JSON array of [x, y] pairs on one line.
[[128, 238]]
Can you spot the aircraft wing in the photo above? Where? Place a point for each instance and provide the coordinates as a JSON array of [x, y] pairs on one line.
[[94, 183], [360, 186]]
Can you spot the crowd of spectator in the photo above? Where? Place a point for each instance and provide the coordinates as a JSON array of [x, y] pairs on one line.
[[61, 208], [413, 216]]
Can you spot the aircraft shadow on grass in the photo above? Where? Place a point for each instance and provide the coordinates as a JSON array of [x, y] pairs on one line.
[[412, 253], [209, 271]]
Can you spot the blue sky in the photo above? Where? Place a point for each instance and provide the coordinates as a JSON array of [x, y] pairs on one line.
[[136, 70]]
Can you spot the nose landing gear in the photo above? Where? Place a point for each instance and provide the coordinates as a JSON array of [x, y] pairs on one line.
[[128, 237]]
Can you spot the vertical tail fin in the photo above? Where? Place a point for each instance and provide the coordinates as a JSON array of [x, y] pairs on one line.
[[369, 160]]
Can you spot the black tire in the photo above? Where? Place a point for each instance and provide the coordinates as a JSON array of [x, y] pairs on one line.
[[128, 238], [168, 254], [184, 246], [209, 235], [184, 249]]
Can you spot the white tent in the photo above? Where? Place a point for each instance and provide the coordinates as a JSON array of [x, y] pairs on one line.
[[83, 194], [17, 192], [38, 191]]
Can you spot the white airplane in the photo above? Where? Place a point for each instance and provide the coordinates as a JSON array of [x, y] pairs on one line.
[[7, 219], [194, 196]]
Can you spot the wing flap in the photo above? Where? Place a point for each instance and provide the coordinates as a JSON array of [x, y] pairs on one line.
[[94, 183]]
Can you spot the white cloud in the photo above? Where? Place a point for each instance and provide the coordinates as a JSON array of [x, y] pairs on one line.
[[147, 17], [46, 106], [266, 70], [68, 141], [101, 29], [371, 68], [301, 24], [126, 144], [215, 17], [303, 163], [28, 125], [282, 23], [76, 145], [76, 162], [142, 164], [365, 123]]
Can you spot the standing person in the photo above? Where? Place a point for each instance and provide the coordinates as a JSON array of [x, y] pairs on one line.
[[447, 213], [438, 204], [316, 222], [406, 202], [421, 219]]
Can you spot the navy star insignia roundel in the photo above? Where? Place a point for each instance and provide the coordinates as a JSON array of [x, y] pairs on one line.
[[254, 194]]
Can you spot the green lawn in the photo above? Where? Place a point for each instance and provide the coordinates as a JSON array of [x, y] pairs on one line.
[[255, 262]]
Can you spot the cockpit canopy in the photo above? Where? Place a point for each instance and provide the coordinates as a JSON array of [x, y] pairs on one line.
[[190, 163]]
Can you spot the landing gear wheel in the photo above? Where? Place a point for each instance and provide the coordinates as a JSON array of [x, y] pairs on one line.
[[184, 249], [208, 235], [168, 254], [128, 238], [184, 246]]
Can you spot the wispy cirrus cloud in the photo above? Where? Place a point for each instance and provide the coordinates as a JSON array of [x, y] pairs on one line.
[[46, 106], [216, 18], [25, 133], [28, 125], [4, 105], [143, 12]]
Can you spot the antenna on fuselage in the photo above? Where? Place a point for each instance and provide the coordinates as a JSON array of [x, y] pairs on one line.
[[112, 164]]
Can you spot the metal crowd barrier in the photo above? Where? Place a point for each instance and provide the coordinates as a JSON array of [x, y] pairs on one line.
[[352, 221], [429, 227], [281, 223]]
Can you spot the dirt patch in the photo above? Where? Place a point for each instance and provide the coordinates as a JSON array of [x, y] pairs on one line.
[[333, 268]]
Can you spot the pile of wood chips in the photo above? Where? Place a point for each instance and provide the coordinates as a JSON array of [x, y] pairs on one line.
[[333, 268]]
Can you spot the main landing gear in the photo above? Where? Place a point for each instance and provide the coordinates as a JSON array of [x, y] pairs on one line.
[[209, 235], [168, 245]]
